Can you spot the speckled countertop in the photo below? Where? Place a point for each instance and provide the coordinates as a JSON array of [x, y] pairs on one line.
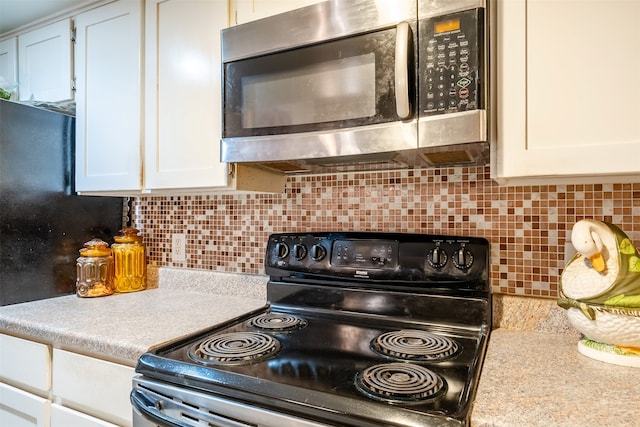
[[533, 374], [121, 327], [539, 379]]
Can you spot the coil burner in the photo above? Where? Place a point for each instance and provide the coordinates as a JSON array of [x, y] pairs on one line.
[[235, 348], [272, 322], [414, 345], [403, 383]]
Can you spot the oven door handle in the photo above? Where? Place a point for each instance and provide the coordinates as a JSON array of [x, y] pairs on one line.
[[403, 36], [148, 409]]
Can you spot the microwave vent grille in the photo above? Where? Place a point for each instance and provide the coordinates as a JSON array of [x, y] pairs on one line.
[[284, 167], [447, 157]]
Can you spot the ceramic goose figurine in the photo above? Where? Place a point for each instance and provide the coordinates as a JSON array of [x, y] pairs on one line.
[[600, 290], [595, 241], [605, 266]]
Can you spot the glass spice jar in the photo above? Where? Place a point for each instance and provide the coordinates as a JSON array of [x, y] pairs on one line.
[[94, 270], [129, 261]]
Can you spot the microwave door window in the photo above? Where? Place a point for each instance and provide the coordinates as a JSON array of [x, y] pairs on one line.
[[333, 85], [329, 91]]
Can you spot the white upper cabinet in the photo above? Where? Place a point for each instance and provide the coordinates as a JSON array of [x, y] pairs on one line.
[[162, 135], [108, 69], [568, 106], [183, 102], [250, 10], [9, 64], [45, 63], [182, 89]]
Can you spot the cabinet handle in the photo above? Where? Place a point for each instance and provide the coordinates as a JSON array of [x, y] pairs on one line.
[[403, 106]]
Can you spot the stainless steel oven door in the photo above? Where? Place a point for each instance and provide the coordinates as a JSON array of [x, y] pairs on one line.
[[158, 404]]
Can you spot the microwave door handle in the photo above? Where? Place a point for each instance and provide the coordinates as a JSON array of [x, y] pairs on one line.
[[403, 108]]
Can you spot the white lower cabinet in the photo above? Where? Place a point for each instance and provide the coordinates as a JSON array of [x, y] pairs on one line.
[[25, 364], [19, 408], [25, 382], [92, 386], [65, 417], [45, 387]]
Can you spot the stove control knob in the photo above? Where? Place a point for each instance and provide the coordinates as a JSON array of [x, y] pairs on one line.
[[299, 251], [463, 259], [318, 252], [437, 257], [282, 250]]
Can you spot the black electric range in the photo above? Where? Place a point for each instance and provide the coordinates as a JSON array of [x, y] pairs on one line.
[[359, 329]]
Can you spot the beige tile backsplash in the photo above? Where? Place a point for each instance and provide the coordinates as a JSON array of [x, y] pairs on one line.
[[527, 226]]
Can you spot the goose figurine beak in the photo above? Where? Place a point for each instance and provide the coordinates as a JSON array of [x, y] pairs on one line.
[[595, 241]]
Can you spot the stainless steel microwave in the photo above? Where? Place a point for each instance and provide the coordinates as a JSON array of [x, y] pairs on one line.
[[358, 85]]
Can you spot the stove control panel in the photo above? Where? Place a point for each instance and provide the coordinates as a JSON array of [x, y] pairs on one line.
[[378, 257], [364, 253]]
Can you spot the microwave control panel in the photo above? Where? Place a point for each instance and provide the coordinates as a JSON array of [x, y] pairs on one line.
[[451, 62]]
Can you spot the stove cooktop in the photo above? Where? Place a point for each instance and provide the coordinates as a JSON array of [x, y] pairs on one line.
[[324, 361], [397, 337]]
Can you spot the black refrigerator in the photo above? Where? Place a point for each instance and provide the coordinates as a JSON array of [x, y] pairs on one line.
[[43, 222]]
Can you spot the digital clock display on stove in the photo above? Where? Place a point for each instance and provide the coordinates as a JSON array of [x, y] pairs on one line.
[[365, 253]]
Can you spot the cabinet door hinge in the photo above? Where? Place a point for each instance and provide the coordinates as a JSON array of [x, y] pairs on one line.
[[231, 169], [73, 34]]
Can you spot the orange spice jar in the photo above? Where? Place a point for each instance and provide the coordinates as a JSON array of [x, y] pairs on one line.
[[130, 261], [94, 270]]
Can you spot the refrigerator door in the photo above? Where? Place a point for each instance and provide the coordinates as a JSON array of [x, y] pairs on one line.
[[43, 223]]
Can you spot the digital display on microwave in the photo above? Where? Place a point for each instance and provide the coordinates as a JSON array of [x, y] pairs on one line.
[[446, 26]]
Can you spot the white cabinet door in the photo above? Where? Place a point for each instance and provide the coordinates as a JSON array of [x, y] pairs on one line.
[[250, 10], [45, 64], [25, 364], [21, 409], [566, 106], [65, 417], [93, 386], [109, 97], [182, 89], [9, 64]]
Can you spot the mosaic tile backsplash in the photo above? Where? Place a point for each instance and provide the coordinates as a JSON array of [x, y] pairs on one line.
[[527, 226]]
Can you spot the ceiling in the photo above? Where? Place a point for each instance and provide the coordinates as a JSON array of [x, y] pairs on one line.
[[16, 13]]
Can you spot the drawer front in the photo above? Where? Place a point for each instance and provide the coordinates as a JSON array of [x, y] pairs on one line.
[[21, 409], [65, 417], [25, 364], [93, 386]]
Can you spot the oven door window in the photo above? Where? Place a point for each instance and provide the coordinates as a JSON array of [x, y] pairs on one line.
[[339, 84]]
